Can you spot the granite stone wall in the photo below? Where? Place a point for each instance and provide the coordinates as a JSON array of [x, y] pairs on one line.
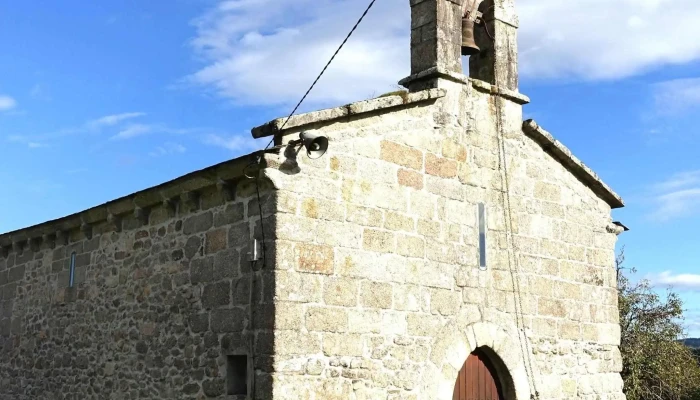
[[154, 310], [378, 293]]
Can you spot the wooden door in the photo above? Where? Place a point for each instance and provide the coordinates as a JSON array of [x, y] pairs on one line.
[[477, 380]]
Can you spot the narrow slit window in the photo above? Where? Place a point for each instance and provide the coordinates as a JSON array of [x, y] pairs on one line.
[[71, 279], [482, 235], [237, 374]]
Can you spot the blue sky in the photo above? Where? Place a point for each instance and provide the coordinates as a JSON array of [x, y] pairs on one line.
[[100, 100]]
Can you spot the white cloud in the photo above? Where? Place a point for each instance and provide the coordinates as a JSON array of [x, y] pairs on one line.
[[236, 143], [271, 57], [32, 144], [133, 131], [677, 281], [111, 120], [7, 103], [678, 196], [168, 149], [595, 39], [677, 96]]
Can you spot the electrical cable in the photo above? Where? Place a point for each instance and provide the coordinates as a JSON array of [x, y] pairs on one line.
[[256, 176], [359, 21], [258, 159], [508, 218]]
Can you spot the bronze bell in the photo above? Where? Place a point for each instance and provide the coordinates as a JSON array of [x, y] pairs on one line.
[[469, 46]]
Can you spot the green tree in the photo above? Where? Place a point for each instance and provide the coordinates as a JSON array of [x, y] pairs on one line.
[[655, 364]]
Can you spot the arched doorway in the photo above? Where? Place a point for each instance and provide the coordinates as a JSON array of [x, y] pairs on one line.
[[478, 379]]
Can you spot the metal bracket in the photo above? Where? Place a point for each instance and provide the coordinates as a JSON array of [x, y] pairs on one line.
[[254, 254]]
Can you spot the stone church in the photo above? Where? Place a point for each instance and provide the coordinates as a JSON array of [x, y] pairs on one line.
[[440, 248]]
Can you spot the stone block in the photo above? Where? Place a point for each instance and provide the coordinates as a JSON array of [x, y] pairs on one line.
[[394, 323], [401, 155], [80, 275], [454, 150], [569, 330], [429, 229], [364, 321], [541, 286], [438, 166], [326, 319], [322, 209], [198, 223], [288, 316], [409, 178], [445, 302], [410, 246], [340, 292], [423, 205], [199, 322], [343, 164], [551, 308], [8, 291], [296, 342], [15, 274], [232, 320], [216, 295], [378, 241], [444, 187], [233, 213], [239, 235], [338, 234], [215, 241], [547, 191], [427, 325], [429, 273], [399, 222], [376, 295], [365, 216], [345, 345], [410, 298], [298, 287], [240, 291], [214, 387], [315, 259], [202, 270], [567, 291], [226, 264], [193, 247]]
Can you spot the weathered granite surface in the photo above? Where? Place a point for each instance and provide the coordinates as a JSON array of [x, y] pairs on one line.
[[154, 310]]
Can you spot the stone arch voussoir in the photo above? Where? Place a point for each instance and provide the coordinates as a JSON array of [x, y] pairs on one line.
[[454, 344]]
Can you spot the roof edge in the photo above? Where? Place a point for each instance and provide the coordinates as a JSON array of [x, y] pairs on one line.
[[274, 127], [562, 154], [224, 176]]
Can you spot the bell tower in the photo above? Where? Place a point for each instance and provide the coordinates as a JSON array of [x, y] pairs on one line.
[[438, 28]]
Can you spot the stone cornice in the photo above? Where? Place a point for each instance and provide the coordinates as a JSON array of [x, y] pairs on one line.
[[361, 107], [562, 154], [511, 95], [224, 176], [482, 86]]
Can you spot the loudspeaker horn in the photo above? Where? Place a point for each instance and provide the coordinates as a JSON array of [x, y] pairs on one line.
[[316, 145]]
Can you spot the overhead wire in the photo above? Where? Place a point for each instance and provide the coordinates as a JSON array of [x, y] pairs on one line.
[[323, 71], [359, 21], [256, 176]]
